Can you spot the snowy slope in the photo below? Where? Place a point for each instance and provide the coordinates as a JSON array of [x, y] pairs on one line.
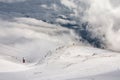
[[7, 66], [57, 38], [73, 62], [32, 41]]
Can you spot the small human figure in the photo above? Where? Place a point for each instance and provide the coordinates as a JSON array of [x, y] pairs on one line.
[[73, 44], [23, 60], [93, 54]]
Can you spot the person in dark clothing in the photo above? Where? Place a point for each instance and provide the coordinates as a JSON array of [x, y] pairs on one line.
[[23, 60]]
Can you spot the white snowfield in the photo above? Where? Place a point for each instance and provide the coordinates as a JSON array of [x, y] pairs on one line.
[[30, 29], [7, 66], [72, 62]]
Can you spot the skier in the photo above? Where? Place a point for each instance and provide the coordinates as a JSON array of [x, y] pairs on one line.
[[23, 60]]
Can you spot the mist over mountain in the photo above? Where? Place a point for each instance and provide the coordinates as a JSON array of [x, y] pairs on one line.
[[59, 39], [96, 22]]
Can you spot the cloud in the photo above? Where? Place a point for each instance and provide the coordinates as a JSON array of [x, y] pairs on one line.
[[103, 16], [11, 1]]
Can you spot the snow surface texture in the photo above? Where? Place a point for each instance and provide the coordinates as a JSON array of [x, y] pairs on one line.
[[57, 38]]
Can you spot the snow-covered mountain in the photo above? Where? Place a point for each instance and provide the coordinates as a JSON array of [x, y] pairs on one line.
[[67, 13], [59, 39]]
